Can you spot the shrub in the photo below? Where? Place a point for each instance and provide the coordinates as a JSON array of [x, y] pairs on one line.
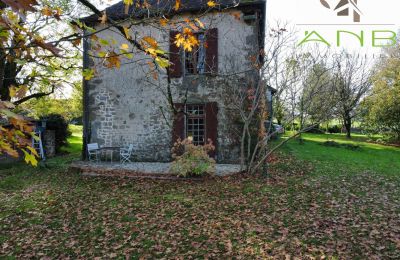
[[336, 129], [316, 130], [192, 160], [57, 123]]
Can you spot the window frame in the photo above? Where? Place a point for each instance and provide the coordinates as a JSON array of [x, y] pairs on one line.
[[203, 116], [196, 50]]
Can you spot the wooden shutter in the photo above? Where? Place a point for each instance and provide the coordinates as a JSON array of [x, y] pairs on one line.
[[178, 129], [212, 125], [212, 51], [174, 56]]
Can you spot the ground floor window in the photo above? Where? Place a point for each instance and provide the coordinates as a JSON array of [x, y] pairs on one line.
[[196, 124]]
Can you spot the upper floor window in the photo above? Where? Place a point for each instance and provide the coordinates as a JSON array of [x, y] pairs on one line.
[[202, 60], [195, 61]]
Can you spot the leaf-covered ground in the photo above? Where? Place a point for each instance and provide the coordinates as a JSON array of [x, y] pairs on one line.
[[297, 212]]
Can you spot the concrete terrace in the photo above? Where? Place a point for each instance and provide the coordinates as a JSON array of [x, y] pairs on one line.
[[140, 168]]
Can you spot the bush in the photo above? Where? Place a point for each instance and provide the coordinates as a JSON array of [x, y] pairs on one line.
[[316, 130], [192, 160], [336, 129], [57, 123]]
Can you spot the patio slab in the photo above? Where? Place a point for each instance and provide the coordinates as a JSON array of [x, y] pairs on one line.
[[91, 168]]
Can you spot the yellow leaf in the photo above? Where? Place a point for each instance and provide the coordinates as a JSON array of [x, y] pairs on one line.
[[127, 4], [164, 22], [13, 91], [124, 46], [151, 41], [199, 23], [32, 150], [47, 11], [30, 159], [163, 63], [211, 4], [88, 74], [126, 31], [177, 4]]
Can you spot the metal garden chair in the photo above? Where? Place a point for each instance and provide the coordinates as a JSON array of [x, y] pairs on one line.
[[93, 152], [126, 153]]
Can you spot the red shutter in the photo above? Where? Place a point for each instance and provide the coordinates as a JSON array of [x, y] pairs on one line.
[[212, 51], [178, 129], [174, 56], [212, 125]]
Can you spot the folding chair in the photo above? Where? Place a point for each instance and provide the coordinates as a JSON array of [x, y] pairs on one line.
[[126, 153], [93, 152]]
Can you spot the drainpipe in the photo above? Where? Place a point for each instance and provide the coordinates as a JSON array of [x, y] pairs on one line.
[[85, 87]]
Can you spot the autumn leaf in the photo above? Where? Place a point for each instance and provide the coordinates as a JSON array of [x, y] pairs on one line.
[[47, 11], [237, 15], [30, 158], [126, 31], [187, 40], [151, 41], [113, 61], [18, 92], [127, 3], [199, 23], [164, 22], [88, 74], [124, 46], [211, 4], [163, 63], [177, 5]]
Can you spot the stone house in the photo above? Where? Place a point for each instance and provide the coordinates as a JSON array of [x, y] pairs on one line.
[[129, 105]]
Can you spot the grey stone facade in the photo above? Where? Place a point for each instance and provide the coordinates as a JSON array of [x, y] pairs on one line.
[[127, 106], [49, 143]]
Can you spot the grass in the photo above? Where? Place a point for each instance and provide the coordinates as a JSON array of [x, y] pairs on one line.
[[317, 203], [370, 157], [75, 140]]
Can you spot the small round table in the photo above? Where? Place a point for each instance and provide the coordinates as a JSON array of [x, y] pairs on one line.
[[108, 149]]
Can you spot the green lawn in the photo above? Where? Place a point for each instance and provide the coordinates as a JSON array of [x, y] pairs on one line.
[[369, 158], [75, 140], [317, 203]]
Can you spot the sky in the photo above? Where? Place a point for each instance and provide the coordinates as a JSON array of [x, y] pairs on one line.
[[311, 15]]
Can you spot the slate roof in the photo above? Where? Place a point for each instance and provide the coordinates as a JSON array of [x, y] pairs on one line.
[[166, 7]]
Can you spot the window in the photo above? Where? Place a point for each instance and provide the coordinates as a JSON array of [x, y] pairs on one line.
[[196, 124], [195, 60]]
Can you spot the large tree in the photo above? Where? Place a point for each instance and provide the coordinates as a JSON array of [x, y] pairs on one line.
[[352, 82], [383, 105]]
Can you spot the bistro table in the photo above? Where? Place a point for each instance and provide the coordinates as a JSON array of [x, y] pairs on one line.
[[109, 149]]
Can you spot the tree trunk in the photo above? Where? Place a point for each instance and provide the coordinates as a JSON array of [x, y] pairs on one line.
[[3, 91], [347, 125]]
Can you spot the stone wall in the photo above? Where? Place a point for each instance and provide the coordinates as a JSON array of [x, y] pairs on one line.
[[49, 143], [128, 105]]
